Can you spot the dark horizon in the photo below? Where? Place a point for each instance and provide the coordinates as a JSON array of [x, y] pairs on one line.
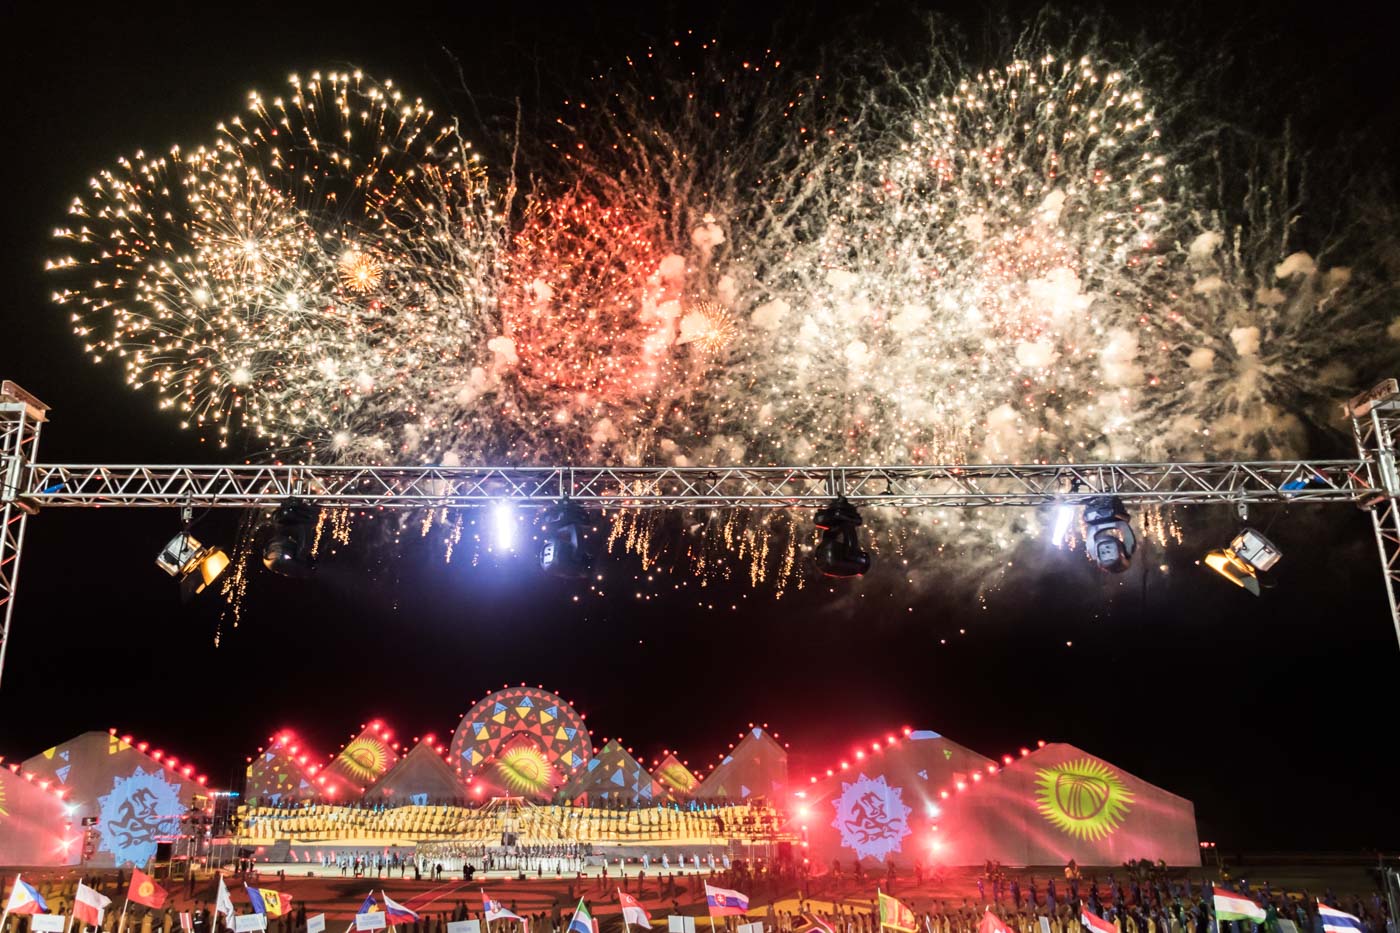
[[1166, 675]]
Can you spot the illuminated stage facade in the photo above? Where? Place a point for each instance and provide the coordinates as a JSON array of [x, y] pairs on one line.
[[521, 771]]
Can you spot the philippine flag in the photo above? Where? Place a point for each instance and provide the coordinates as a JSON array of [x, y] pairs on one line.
[[396, 912], [25, 900], [1336, 921], [725, 903]]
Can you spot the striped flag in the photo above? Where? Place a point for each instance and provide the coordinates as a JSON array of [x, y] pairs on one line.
[[1336, 921], [186, 921], [88, 906], [1095, 923], [809, 922], [1230, 905], [723, 902], [396, 911], [581, 921]]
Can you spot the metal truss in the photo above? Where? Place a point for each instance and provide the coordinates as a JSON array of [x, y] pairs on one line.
[[1375, 420], [26, 485], [955, 486], [21, 419]]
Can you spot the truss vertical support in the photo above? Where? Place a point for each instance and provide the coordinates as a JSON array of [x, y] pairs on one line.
[[1375, 421], [21, 418]]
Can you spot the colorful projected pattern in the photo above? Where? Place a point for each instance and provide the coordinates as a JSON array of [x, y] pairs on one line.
[[490, 726], [365, 759], [141, 810], [613, 774], [281, 771], [1083, 798], [675, 776], [523, 769], [872, 817]]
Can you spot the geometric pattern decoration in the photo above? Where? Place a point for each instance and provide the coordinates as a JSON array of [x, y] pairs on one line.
[[757, 767], [283, 771], [612, 776], [508, 716]]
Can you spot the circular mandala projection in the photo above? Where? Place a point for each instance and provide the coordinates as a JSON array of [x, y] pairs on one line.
[[1084, 798], [365, 759], [528, 739]]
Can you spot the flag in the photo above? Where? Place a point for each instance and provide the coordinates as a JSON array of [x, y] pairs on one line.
[[88, 906], [25, 900], [495, 910], [270, 902], [581, 921], [144, 890], [632, 911], [369, 906], [396, 911], [725, 903], [808, 922], [895, 915], [1335, 921], [1232, 906], [991, 923], [186, 921], [1094, 923], [223, 904]]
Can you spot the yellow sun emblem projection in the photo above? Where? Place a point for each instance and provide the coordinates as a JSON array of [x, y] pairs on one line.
[[365, 759], [524, 770], [1083, 798]]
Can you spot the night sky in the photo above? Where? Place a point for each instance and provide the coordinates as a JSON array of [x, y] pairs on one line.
[[1275, 715]]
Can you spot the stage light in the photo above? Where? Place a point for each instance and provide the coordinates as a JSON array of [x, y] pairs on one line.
[[562, 553], [193, 564], [1064, 517], [839, 554], [1110, 541], [287, 550], [1249, 555], [503, 526]]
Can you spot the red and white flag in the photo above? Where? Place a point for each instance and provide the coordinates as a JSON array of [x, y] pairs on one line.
[[632, 911], [88, 905], [1095, 924]]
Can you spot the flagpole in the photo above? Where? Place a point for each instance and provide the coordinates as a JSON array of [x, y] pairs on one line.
[[5, 913], [122, 922]]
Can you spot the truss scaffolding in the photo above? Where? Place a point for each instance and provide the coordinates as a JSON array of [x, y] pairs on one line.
[[1371, 480]]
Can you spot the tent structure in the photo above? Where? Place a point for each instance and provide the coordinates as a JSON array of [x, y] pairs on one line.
[[674, 777], [878, 801], [611, 776], [365, 759], [285, 770], [420, 777], [136, 792], [35, 828], [1059, 803], [757, 767]]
